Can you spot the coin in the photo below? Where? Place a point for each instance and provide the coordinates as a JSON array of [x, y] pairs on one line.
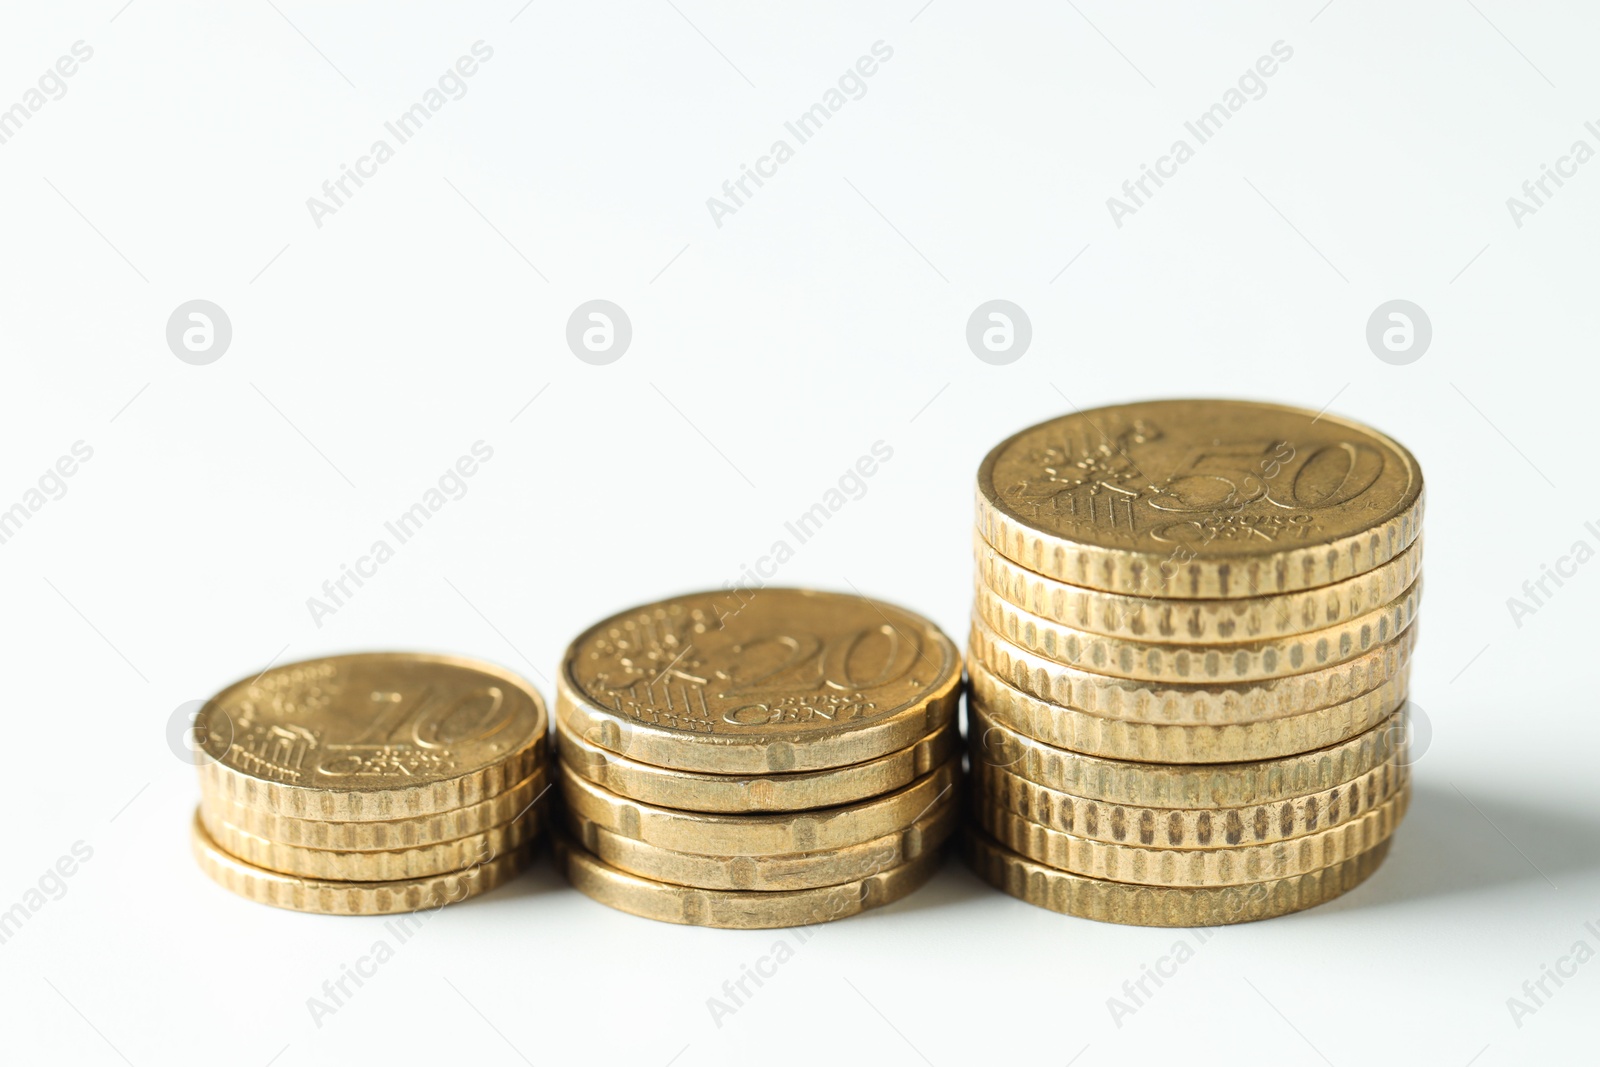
[[1213, 786], [1119, 739], [350, 898], [383, 836], [1181, 702], [738, 909], [1140, 905], [1203, 499], [1141, 660], [1195, 867], [803, 870], [1183, 827], [370, 737], [728, 793], [759, 835], [784, 680], [1196, 621], [387, 866]]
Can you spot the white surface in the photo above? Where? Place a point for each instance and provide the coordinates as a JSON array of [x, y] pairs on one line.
[[793, 337]]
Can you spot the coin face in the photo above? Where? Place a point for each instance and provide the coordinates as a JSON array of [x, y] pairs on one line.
[[373, 735], [1199, 498], [779, 680]]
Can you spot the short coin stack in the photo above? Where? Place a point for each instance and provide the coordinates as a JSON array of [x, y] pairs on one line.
[[371, 783], [757, 758], [1189, 658]]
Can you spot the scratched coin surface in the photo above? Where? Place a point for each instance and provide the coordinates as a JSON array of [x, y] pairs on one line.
[[735, 909], [350, 898], [801, 870], [759, 681], [708, 834], [730, 793], [1142, 905], [371, 736], [1203, 499]]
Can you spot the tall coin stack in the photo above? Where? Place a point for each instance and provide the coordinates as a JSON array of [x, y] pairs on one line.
[[1189, 660], [370, 784], [757, 758]]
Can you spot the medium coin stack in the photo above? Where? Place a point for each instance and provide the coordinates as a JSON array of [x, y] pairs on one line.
[[369, 784], [1189, 658], [757, 758]]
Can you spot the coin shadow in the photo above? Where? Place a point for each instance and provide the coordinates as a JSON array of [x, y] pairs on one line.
[[1458, 841]]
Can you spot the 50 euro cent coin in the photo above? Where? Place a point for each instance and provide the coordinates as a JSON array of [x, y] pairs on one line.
[[1199, 499]]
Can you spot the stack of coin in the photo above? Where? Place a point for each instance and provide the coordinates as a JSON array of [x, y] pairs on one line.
[[370, 784], [1189, 660], [757, 758]]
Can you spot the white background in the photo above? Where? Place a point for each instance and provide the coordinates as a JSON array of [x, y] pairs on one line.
[[768, 354]]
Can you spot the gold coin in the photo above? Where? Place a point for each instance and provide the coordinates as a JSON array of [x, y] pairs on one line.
[[1202, 499], [382, 836], [1119, 739], [757, 681], [1141, 660], [1183, 702], [374, 736], [803, 870], [350, 898], [759, 835], [389, 866], [1192, 828], [1142, 905], [738, 909], [1195, 867], [1213, 786], [1196, 621], [689, 791]]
